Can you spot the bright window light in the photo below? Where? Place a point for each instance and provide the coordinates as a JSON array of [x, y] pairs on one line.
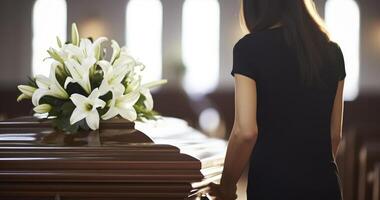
[[200, 45], [49, 21], [144, 35], [343, 21], [209, 120]]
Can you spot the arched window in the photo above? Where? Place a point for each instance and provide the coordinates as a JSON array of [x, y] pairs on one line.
[[49, 21], [200, 45], [343, 21], [144, 35]]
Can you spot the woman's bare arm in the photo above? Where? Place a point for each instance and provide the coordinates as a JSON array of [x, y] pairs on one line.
[[337, 119], [244, 133]]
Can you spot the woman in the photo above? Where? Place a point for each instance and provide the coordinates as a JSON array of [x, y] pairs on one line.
[[289, 81]]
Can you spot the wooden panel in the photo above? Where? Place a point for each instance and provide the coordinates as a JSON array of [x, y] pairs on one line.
[[369, 155], [353, 142]]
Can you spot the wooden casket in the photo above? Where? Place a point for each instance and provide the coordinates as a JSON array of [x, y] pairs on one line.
[[164, 159]]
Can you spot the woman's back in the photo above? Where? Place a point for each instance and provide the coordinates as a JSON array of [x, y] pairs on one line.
[[293, 149]]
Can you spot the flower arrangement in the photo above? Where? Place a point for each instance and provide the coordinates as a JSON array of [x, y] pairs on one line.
[[83, 87]]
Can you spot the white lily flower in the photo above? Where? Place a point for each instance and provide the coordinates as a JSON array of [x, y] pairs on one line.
[[59, 69], [116, 51], [148, 102], [92, 49], [27, 92], [83, 50], [48, 87], [86, 108], [57, 55], [132, 84], [59, 43], [122, 105], [26, 89], [127, 59], [43, 108], [65, 52], [80, 73], [145, 91], [74, 34], [113, 76]]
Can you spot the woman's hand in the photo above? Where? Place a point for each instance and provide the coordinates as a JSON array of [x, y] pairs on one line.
[[218, 192]]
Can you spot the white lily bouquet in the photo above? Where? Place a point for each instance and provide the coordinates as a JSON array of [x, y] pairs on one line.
[[83, 87]]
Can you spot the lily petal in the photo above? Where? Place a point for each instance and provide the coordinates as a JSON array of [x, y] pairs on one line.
[[38, 94], [74, 34], [130, 99], [73, 50], [104, 88], [92, 120], [68, 81], [120, 73], [116, 50], [74, 68], [94, 94], [132, 86], [42, 81], [105, 65], [148, 98], [43, 108], [129, 114], [88, 62], [26, 90], [86, 47], [55, 87], [99, 103], [78, 99], [54, 54], [119, 88], [153, 84], [59, 42], [22, 97], [77, 115], [96, 46], [111, 113]]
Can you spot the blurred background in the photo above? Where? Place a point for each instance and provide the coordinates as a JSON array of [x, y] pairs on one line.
[[189, 42]]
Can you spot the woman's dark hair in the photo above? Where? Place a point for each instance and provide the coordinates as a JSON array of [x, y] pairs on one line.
[[304, 30]]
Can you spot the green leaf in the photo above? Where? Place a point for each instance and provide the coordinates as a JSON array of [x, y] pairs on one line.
[[106, 97], [75, 88], [63, 124], [67, 108], [53, 101], [83, 125], [143, 113], [96, 77], [32, 82], [55, 111]]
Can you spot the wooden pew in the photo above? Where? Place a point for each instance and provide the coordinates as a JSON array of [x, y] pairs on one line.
[[348, 160], [369, 156], [376, 182]]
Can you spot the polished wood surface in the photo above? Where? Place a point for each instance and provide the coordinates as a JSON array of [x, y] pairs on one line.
[[164, 159]]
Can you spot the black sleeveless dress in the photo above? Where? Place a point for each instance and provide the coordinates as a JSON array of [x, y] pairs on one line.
[[292, 158]]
